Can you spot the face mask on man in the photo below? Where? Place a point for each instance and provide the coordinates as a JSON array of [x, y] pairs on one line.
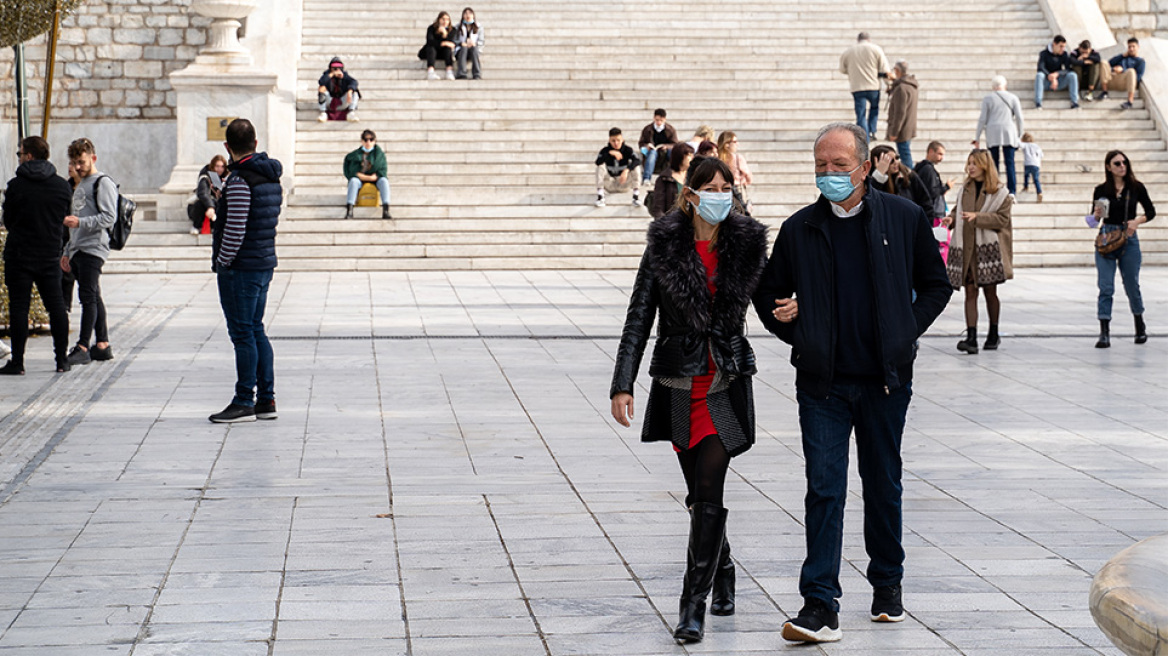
[[836, 185], [714, 206]]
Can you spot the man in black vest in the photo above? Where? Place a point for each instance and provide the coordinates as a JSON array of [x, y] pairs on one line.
[[35, 206], [243, 255]]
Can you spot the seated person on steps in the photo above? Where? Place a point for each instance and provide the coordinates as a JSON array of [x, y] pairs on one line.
[[1125, 72], [337, 93], [1055, 72], [616, 169], [366, 165], [657, 139], [469, 45], [1088, 67]]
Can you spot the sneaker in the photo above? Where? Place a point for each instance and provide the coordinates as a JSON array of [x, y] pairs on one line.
[[11, 369], [816, 622], [194, 231], [1038, 107], [1040, 198], [101, 354], [1074, 105], [352, 117], [449, 75], [1089, 96], [636, 201], [886, 606], [322, 117], [78, 356], [266, 410], [600, 200], [5, 349], [234, 414], [1102, 96], [1125, 105], [432, 75]]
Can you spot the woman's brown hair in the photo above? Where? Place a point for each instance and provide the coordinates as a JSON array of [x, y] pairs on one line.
[[982, 158], [724, 140], [1129, 176], [700, 173]]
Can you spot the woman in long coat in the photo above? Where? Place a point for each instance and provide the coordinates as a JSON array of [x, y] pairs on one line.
[[700, 268], [981, 252]]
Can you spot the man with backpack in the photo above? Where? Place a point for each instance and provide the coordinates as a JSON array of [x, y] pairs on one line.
[[95, 210]]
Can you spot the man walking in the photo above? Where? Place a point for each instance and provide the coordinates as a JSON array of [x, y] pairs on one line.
[[902, 111], [243, 256], [95, 202], [35, 204], [839, 288], [864, 64], [926, 170]]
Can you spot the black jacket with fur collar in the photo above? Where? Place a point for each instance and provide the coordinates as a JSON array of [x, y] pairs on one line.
[[671, 285]]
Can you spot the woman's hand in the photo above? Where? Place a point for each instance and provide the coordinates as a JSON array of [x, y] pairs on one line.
[[969, 216], [622, 408], [787, 310], [1133, 224], [210, 213], [947, 221], [884, 162]]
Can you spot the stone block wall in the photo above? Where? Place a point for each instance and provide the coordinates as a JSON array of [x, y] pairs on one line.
[[113, 57], [1138, 18]]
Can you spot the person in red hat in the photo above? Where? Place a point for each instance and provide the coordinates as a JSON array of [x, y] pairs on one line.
[[337, 93]]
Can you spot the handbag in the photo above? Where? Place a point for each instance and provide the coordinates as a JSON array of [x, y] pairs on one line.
[[1107, 243]]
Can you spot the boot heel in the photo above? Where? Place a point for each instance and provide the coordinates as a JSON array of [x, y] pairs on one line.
[[707, 532]]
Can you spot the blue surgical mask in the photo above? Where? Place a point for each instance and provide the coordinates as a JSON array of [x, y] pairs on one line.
[[367, 148], [469, 22], [714, 206], [837, 186]]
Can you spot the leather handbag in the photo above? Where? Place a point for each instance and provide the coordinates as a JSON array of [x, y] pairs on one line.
[[1107, 243]]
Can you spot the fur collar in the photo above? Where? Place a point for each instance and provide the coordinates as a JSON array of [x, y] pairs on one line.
[[678, 269]]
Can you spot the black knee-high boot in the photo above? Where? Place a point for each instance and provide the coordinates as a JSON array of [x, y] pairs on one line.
[[707, 530], [722, 597]]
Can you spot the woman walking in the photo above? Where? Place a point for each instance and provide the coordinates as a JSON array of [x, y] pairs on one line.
[[1124, 194], [728, 152], [981, 252], [700, 268]]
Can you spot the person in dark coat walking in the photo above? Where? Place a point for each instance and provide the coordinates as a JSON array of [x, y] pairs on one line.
[[839, 288], [35, 205], [700, 268]]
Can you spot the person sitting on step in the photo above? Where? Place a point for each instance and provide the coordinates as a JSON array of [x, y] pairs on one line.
[[1088, 66], [616, 169], [1056, 72], [440, 36], [337, 93], [657, 140], [367, 165], [468, 45], [1125, 73]]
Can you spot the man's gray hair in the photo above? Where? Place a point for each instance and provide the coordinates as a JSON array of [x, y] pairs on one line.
[[857, 133], [998, 82], [862, 37], [901, 66]]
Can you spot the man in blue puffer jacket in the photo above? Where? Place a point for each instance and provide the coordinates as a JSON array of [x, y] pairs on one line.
[[243, 255]]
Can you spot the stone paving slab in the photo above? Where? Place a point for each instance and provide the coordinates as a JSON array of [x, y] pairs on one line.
[[444, 479]]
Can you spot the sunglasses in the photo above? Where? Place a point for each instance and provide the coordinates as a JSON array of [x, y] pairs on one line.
[[1119, 163], [368, 140]]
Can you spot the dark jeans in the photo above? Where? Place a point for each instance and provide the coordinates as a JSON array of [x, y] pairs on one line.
[[872, 99], [1127, 260], [19, 277], [1011, 173], [432, 54], [243, 295], [87, 271], [827, 423]]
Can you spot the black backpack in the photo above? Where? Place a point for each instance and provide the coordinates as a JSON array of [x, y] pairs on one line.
[[123, 217]]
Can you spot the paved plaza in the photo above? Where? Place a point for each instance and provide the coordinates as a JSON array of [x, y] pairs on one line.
[[445, 479]]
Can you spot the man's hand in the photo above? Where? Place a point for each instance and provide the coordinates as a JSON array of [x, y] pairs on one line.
[[616, 155], [787, 310], [72, 221], [624, 176], [1117, 69], [892, 137], [950, 182], [65, 263], [622, 408], [1053, 79]]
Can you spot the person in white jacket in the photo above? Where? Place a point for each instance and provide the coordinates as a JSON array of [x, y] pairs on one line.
[[468, 44], [1001, 120]]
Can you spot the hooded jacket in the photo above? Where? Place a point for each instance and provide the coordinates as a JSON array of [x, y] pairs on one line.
[[902, 109], [36, 203], [257, 252]]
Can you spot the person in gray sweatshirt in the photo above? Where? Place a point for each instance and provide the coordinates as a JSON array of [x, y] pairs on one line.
[[95, 203]]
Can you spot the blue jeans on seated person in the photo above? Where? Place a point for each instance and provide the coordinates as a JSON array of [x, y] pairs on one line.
[[1128, 260], [243, 296], [872, 100], [878, 418], [355, 188], [651, 155], [1066, 80]]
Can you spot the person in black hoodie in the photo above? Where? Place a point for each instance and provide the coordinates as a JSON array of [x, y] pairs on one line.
[[1055, 72], [616, 169], [839, 288], [243, 257], [35, 205]]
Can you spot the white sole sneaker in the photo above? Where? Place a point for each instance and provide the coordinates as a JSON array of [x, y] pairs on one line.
[[323, 117], [799, 634]]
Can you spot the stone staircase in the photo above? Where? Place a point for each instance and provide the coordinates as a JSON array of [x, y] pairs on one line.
[[498, 173]]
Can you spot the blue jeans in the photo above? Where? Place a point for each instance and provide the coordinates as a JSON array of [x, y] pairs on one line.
[[1128, 263], [878, 419], [1066, 80], [904, 150], [355, 187], [243, 295], [1011, 172], [872, 100], [651, 155], [1030, 172]]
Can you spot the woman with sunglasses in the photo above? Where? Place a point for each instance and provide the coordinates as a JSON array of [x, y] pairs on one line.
[[367, 165], [701, 266], [1124, 195]]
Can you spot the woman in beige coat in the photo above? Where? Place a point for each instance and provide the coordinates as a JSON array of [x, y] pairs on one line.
[[981, 252]]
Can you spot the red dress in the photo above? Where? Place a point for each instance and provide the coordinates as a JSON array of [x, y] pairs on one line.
[[700, 423]]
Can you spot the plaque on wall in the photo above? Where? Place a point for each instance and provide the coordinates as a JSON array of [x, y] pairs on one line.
[[217, 127]]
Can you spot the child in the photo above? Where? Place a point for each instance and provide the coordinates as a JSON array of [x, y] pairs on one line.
[[1031, 160]]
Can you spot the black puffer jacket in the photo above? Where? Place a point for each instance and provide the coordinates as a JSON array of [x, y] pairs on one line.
[[35, 206], [671, 286]]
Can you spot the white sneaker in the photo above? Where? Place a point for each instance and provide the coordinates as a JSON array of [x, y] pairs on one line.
[[5, 349], [352, 117], [600, 201], [433, 76], [194, 231], [636, 202], [449, 74], [323, 117]]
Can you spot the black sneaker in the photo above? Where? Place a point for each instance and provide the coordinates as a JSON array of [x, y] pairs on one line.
[[816, 622], [233, 414], [11, 369], [266, 410], [98, 353], [1103, 96], [78, 356], [886, 606], [1125, 105]]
